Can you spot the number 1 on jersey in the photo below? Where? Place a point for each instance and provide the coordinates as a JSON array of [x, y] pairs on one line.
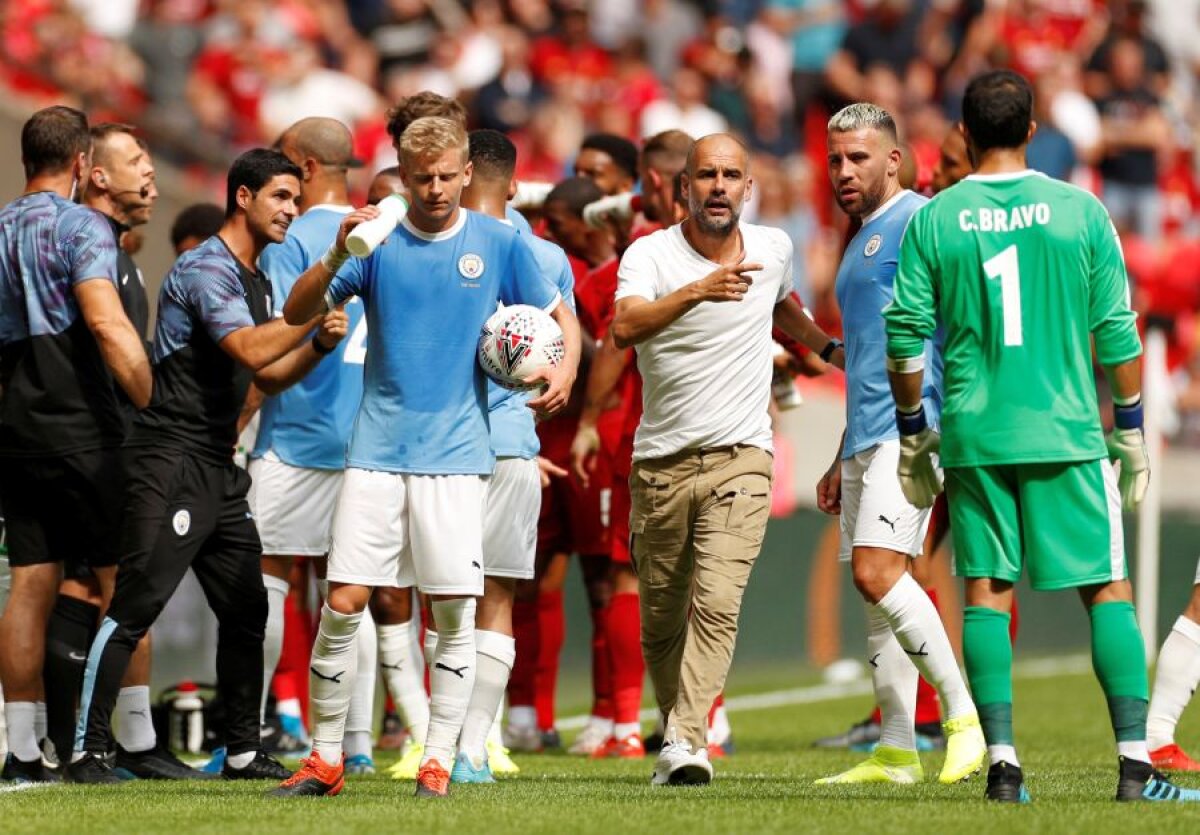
[[1006, 266]]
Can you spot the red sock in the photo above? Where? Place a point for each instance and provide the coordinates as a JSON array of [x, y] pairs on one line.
[[1013, 621], [929, 706], [527, 631], [291, 674], [876, 716], [602, 682], [625, 656], [553, 629]]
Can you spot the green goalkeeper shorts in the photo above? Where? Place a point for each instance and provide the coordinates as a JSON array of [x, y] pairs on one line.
[[1061, 521]]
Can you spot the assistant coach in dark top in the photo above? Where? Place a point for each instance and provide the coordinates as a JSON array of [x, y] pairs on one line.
[[185, 500]]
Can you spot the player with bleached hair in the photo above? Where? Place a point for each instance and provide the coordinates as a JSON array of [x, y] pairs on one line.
[[881, 530], [410, 511]]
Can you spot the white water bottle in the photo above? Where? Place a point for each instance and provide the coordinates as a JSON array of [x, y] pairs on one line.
[[369, 234], [187, 713]]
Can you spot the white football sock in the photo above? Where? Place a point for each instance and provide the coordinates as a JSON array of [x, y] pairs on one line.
[[1134, 750], [403, 673], [22, 739], [333, 670], [277, 592], [134, 726], [356, 743], [241, 760], [495, 735], [1175, 679], [451, 677], [361, 715], [288, 707], [40, 722], [1003, 754], [894, 679], [494, 656], [624, 730], [429, 646], [918, 628], [521, 716], [720, 730]]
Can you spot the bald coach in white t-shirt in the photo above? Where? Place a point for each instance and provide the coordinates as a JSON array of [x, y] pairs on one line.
[[698, 301]]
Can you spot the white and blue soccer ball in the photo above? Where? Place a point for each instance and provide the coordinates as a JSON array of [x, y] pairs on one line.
[[518, 341]]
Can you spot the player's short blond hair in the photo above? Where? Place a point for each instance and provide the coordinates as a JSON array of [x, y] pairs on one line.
[[432, 136]]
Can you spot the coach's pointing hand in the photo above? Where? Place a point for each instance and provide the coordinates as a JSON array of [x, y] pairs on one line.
[[727, 284]]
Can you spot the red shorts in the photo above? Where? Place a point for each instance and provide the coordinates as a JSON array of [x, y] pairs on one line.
[[574, 519]]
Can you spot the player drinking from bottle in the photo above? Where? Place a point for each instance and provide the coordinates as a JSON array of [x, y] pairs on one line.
[[410, 511]]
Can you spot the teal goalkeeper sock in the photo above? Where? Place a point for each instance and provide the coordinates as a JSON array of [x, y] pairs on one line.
[[987, 651], [1119, 659]]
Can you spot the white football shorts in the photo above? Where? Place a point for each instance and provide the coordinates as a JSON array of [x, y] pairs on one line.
[[292, 506], [514, 501], [402, 529], [875, 513]]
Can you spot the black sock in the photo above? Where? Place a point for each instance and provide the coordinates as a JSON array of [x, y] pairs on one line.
[[69, 635]]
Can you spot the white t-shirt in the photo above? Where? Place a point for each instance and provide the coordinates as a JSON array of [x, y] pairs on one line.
[[706, 377]]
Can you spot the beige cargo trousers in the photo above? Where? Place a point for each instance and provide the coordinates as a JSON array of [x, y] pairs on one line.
[[696, 527]]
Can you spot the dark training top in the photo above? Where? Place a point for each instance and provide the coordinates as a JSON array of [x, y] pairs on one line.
[[198, 388], [58, 395]]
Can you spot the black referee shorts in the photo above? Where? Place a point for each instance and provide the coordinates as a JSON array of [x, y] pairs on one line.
[[62, 509]]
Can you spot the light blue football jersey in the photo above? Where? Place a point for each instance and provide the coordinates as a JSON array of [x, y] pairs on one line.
[[424, 406], [308, 425], [864, 288], [514, 434], [518, 221]]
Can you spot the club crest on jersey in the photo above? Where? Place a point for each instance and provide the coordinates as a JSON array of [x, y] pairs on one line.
[[470, 266], [181, 522], [873, 245], [513, 347]]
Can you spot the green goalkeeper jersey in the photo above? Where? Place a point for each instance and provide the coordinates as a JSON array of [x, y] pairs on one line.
[[1019, 270]]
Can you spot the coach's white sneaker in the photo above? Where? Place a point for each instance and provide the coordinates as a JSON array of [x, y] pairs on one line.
[[679, 765]]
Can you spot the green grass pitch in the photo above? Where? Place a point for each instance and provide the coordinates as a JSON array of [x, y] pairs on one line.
[[1062, 734]]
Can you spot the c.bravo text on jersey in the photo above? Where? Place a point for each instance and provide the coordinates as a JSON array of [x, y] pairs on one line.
[[1004, 220]]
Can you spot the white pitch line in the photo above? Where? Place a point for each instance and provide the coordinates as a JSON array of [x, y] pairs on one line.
[[1036, 668]]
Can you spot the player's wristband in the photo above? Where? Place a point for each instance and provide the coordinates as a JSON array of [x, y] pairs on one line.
[[828, 350], [333, 258], [911, 423], [1129, 415], [319, 348]]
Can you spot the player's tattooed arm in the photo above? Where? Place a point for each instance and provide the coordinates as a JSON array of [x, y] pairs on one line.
[[637, 318], [307, 298], [118, 340], [560, 379], [790, 318], [293, 366]]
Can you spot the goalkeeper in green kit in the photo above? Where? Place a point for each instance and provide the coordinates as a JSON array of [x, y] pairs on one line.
[[1022, 273]]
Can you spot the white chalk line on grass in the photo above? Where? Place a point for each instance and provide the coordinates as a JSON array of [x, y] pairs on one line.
[[1036, 668]]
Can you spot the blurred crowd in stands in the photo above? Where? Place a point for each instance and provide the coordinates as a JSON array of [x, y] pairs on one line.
[[1117, 85]]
